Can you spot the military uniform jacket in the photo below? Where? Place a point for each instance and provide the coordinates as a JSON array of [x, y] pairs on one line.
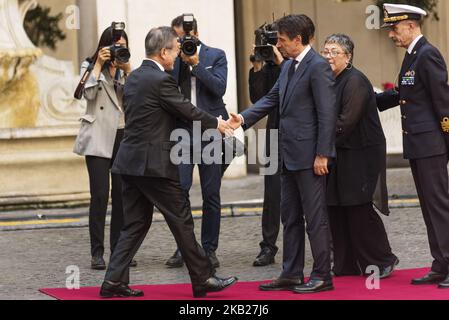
[[424, 100]]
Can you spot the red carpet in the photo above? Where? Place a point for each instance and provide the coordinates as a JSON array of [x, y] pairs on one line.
[[347, 288]]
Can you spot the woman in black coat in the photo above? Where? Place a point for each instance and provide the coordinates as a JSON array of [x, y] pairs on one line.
[[357, 180]]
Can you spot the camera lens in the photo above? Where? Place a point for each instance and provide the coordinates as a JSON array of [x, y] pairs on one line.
[[122, 55], [119, 54], [189, 47]]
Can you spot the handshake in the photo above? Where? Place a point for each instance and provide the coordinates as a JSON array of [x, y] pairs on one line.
[[227, 127]]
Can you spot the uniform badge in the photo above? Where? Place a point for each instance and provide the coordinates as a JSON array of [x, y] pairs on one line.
[[445, 125], [409, 78]]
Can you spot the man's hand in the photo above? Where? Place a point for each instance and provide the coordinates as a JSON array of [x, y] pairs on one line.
[[278, 57], [225, 128], [235, 121], [320, 166], [126, 67], [191, 60]]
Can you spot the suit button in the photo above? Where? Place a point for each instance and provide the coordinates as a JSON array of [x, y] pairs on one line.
[[100, 88], [404, 117], [101, 108], [405, 132], [403, 102]]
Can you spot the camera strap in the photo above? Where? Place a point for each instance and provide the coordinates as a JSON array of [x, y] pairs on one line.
[[80, 88]]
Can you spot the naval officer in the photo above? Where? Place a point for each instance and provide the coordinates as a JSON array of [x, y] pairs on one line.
[[423, 95]]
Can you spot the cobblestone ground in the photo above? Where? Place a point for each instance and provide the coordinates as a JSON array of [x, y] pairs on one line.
[[36, 259]]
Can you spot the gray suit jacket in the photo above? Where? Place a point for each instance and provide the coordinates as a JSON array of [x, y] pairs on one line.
[[100, 123], [308, 112]]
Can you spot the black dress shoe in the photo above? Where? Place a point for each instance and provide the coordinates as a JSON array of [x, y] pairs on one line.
[[281, 284], [430, 278], [444, 284], [265, 258], [98, 263], [314, 286], [176, 261], [388, 271], [133, 264], [213, 284], [110, 290], [213, 259]]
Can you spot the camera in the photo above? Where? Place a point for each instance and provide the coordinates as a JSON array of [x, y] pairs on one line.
[[266, 36], [118, 53], [189, 44]]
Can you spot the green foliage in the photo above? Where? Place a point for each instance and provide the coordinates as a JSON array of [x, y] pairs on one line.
[[429, 5], [43, 28]]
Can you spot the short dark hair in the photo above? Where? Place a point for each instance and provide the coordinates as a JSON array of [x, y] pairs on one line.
[[177, 22], [297, 25], [158, 39], [344, 41]]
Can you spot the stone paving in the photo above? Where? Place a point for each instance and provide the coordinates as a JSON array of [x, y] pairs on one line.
[[34, 259]]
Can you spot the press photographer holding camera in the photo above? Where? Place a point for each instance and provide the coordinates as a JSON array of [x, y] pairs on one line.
[[267, 65], [201, 72], [102, 129]]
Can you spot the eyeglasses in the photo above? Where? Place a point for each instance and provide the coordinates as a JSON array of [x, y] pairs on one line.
[[332, 53]]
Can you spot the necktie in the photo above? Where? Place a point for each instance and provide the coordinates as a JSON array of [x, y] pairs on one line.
[[291, 72]]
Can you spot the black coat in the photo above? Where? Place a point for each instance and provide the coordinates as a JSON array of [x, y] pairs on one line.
[[152, 104], [260, 84], [424, 99], [358, 176]]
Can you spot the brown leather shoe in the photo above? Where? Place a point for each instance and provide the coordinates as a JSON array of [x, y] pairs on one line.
[[281, 284]]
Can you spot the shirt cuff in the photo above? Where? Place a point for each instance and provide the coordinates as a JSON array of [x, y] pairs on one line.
[[92, 81], [243, 119]]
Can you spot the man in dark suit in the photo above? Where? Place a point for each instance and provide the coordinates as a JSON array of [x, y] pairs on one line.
[[424, 99], [152, 104], [305, 97], [202, 78]]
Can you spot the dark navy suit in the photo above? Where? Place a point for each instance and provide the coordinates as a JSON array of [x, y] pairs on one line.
[[211, 82], [307, 125], [424, 99]]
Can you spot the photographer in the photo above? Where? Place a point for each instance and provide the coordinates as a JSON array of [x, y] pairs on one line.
[[102, 129], [201, 72], [262, 77]]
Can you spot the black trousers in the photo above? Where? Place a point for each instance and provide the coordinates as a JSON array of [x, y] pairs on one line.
[[359, 240], [99, 179], [431, 179], [210, 177], [140, 195], [303, 197], [271, 215]]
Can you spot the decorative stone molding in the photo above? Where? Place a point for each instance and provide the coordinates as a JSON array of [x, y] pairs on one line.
[[35, 90]]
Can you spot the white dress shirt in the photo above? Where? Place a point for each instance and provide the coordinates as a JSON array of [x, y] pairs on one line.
[[413, 44], [303, 54], [299, 58]]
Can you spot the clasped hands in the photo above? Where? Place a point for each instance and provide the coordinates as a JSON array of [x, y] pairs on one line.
[[235, 121], [228, 127]]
